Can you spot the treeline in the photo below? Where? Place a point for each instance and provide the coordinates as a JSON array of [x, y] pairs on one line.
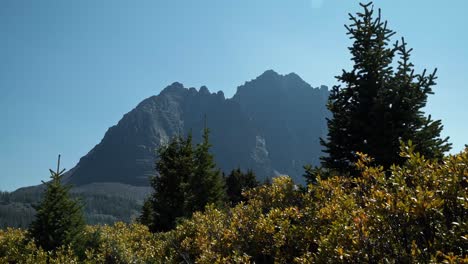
[[98, 208], [384, 193], [14, 214]]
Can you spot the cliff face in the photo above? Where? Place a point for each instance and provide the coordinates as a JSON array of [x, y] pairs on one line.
[[271, 125], [290, 116]]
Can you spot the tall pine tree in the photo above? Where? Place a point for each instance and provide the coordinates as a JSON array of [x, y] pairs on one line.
[[175, 167], [207, 184], [59, 219], [379, 105]]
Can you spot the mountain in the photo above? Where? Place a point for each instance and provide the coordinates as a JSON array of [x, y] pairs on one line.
[[290, 116], [271, 125]]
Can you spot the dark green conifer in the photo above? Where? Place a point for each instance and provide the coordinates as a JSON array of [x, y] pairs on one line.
[[147, 213], [59, 219], [207, 184], [237, 182], [187, 181], [174, 167], [378, 105]]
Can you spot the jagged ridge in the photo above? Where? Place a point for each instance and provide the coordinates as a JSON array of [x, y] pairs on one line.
[[271, 125]]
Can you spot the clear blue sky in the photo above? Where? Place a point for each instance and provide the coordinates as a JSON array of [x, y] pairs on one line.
[[70, 69]]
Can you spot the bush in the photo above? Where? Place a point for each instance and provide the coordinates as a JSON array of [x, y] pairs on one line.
[[416, 212]]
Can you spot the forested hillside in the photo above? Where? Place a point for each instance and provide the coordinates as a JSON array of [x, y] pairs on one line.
[[103, 203]]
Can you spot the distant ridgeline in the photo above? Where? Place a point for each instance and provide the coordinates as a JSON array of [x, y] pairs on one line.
[[272, 125], [103, 203]]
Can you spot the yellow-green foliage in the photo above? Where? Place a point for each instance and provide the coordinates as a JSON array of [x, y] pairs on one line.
[[416, 213]]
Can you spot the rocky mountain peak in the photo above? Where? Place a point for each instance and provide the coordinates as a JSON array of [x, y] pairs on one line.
[[204, 90], [269, 74], [174, 88], [272, 125], [271, 84]]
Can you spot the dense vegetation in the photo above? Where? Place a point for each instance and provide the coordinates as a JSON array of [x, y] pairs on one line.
[[408, 205], [417, 214]]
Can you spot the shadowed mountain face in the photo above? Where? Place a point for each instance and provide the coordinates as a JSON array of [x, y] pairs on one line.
[[290, 116], [271, 125]]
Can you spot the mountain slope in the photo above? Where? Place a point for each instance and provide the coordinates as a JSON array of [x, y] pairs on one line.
[[271, 125], [291, 117], [127, 152]]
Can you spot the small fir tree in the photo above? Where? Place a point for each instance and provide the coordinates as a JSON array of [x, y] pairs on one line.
[[147, 213], [59, 219], [206, 184], [237, 182]]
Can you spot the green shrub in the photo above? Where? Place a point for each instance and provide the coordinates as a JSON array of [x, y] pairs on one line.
[[415, 213]]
